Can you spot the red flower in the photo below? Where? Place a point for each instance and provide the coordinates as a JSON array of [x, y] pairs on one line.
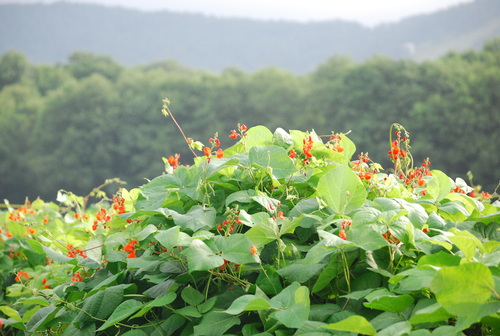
[[280, 215], [342, 234], [292, 154], [253, 249], [207, 151], [220, 153], [243, 128], [233, 134]]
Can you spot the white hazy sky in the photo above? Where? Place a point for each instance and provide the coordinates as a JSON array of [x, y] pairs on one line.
[[368, 12]]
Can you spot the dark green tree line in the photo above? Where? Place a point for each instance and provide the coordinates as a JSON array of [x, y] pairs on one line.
[[70, 126]]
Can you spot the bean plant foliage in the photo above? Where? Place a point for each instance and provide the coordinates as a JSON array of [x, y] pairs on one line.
[[282, 233]]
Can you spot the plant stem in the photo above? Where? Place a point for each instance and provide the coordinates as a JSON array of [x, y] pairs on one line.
[[168, 113]]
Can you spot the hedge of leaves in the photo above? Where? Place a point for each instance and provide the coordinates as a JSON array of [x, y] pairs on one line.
[[283, 233]]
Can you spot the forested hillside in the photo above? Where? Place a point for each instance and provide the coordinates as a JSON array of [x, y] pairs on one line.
[[73, 125], [50, 33]]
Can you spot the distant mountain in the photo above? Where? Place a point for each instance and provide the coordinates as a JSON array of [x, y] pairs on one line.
[[50, 33]]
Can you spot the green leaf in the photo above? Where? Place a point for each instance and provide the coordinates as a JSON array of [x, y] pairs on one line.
[[274, 158], [36, 246], [215, 323], [282, 138], [258, 136], [242, 196], [94, 248], [51, 254], [124, 310], [191, 296], [197, 218], [236, 248], [429, 311], [439, 186], [160, 301], [263, 232], [466, 242], [247, 303], [342, 189], [356, 324], [200, 257], [292, 305], [463, 289], [173, 237], [42, 316], [300, 272], [11, 312], [101, 304], [382, 299]]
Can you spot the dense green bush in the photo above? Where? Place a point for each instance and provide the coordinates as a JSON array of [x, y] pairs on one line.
[[284, 233]]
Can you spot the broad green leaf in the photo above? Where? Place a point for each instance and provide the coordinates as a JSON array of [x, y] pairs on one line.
[[197, 218], [439, 259], [463, 289], [282, 138], [273, 157], [11, 312], [42, 316], [94, 248], [53, 255], [263, 232], [258, 136], [101, 304], [173, 237], [300, 272], [397, 329], [160, 301], [124, 310], [356, 324], [269, 280], [36, 246], [215, 323], [146, 232], [466, 242], [247, 303], [382, 299], [454, 211], [439, 186], [135, 332], [207, 170], [428, 311], [37, 300], [87, 329], [200, 257], [342, 189], [191, 296], [242, 196], [237, 249], [292, 305]]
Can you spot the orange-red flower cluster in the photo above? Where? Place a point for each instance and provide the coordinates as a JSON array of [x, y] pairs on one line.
[[174, 160], [241, 128], [130, 248], [119, 204], [396, 151], [77, 277], [21, 275], [72, 252], [102, 217], [229, 223], [19, 214], [334, 143]]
